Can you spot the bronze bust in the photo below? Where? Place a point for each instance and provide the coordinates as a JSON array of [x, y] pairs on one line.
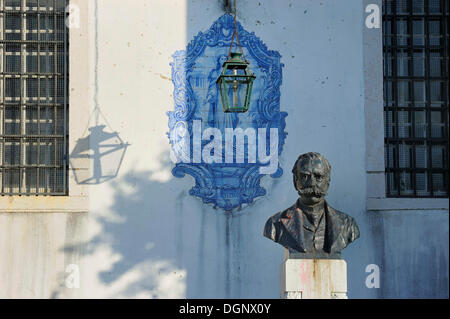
[[311, 228]]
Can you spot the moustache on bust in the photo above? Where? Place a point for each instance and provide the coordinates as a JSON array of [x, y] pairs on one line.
[[315, 191]]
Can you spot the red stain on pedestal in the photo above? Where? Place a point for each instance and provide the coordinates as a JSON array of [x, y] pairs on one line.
[[304, 277]]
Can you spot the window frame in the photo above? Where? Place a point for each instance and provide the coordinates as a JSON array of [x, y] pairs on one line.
[[35, 49], [78, 113], [377, 199]]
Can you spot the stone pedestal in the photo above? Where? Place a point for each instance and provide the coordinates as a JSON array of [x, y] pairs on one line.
[[314, 279]]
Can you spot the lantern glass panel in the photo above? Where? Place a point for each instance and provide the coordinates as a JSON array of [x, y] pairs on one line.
[[235, 84], [236, 90]]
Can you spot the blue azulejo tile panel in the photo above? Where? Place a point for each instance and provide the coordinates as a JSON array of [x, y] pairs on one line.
[[226, 153]]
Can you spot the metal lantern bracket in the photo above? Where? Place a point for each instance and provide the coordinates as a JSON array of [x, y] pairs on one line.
[[240, 79]]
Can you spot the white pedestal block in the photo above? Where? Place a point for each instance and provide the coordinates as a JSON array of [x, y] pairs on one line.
[[314, 279]]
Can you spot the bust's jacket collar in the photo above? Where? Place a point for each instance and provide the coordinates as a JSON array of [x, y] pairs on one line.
[[333, 225], [293, 224], [293, 221]]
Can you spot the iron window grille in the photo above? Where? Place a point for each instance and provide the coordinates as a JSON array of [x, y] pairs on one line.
[[416, 112], [34, 97]]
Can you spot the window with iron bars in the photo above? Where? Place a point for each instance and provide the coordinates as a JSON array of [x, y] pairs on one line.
[[416, 112], [33, 97]]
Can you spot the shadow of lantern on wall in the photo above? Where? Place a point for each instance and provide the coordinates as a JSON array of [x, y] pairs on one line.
[[105, 152]]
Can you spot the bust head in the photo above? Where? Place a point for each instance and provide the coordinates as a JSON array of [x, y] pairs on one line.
[[311, 175]]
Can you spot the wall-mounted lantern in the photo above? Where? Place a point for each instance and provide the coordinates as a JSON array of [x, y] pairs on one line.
[[235, 84], [236, 80]]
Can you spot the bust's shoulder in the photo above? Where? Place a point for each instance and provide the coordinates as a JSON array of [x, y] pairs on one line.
[[347, 221], [283, 214], [340, 215], [273, 228]]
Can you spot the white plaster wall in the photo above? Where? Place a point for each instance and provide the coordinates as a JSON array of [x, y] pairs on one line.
[[35, 249], [144, 235], [150, 238]]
